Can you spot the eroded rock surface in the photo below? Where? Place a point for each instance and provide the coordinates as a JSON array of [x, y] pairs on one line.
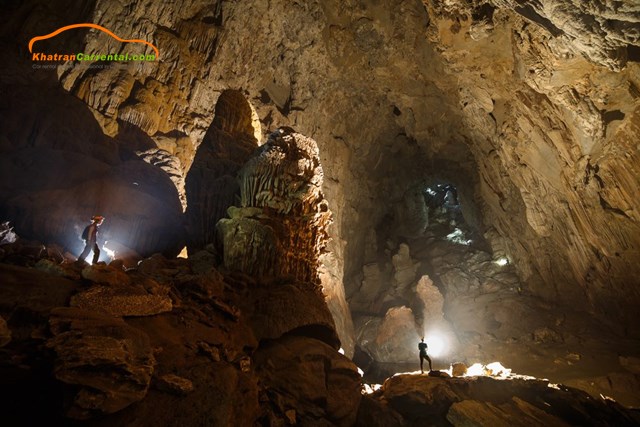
[[489, 401], [280, 228], [110, 362], [311, 377], [286, 308], [122, 301], [531, 110], [183, 342]]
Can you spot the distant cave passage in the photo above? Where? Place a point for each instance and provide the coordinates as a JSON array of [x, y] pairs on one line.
[[401, 296], [211, 185], [445, 213], [432, 208]]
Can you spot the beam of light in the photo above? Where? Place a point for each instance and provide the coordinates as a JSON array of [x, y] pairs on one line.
[[111, 254], [437, 344]]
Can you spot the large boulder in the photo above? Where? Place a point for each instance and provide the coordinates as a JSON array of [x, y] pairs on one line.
[[105, 275], [392, 338], [108, 363], [475, 401], [31, 294], [291, 309], [517, 412], [306, 374]]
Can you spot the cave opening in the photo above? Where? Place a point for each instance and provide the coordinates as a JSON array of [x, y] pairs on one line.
[[425, 253], [446, 220]]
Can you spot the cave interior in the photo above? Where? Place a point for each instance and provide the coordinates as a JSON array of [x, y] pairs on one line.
[[296, 193]]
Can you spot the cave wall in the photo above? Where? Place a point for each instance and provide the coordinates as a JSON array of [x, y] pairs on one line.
[[552, 121], [57, 170], [532, 109]]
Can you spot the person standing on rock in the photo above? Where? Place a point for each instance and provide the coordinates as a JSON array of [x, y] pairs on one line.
[[422, 346], [90, 235]]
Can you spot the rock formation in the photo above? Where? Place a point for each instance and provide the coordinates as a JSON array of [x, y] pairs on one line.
[[521, 117], [110, 362], [222, 353], [211, 182], [183, 343], [280, 228], [483, 400]]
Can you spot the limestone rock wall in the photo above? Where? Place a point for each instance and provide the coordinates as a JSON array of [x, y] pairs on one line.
[[551, 135]]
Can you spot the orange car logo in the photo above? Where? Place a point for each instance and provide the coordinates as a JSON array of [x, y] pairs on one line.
[[98, 27]]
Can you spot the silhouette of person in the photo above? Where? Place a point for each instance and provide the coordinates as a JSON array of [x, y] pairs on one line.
[[92, 239], [422, 346]]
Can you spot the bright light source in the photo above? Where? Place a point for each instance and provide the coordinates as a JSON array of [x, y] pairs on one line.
[[183, 253], [457, 236], [112, 254], [475, 370], [502, 261], [370, 388], [437, 344], [497, 370]]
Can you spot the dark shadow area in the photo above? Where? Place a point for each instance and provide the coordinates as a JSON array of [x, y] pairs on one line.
[[528, 12], [633, 53], [319, 332], [610, 116], [211, 184]]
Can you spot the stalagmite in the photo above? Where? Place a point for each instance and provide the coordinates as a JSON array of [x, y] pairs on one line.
[[280, 229]]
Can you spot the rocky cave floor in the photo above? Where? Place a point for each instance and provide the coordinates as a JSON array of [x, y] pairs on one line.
[[558, 341], [177, 342], [487, 315]]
